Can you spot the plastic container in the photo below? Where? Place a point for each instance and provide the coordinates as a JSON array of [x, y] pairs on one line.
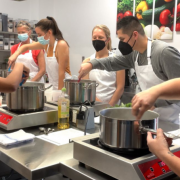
[[11, 42], [1, 42], [10, 25], [63, 110], [6, 44]]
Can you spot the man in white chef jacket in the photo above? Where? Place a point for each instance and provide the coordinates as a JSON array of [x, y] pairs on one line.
[[153, 61]]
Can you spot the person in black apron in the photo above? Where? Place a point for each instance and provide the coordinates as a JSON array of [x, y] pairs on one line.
[[153, 61]]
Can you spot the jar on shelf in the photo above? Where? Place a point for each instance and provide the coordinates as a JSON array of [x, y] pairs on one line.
[[10, 25], [6, 43], [0, 24], [1, 42], [11, 42]]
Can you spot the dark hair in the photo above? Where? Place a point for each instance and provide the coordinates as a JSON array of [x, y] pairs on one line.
[[50, 23], [129, 24]]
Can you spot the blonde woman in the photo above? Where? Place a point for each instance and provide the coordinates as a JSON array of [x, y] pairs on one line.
[[33, 59], [111, 84]]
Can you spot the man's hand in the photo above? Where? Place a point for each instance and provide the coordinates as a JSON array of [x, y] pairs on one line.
[[160, 144], [142, 102], [84, 70]]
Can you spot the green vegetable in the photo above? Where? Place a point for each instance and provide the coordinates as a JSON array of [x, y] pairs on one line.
[[145, 22], [128, 105], [147, 15], [125, 5], [157, 23], [157, 3], [123, 105]]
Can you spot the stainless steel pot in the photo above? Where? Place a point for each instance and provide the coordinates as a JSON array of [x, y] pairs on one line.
[[82, 91], [27, 98], [119, 128]]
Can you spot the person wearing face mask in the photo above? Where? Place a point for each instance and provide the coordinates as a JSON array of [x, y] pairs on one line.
[[56, 49], [33, 59], [153, 61], [111, 84]]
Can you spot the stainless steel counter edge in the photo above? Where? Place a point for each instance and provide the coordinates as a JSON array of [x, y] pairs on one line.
[[74, 171], [33, 163]]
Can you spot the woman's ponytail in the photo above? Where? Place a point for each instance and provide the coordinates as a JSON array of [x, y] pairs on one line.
[[50, 23]]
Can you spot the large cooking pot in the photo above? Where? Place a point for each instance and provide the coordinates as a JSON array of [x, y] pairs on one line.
[[80, 92], [27, 98], [119, 129]]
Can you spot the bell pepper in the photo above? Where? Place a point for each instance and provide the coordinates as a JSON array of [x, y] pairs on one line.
[[142, 6]]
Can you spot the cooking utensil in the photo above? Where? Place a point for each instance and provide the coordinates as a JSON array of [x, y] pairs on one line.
[[82, 91], [119, 128], [27, 98]]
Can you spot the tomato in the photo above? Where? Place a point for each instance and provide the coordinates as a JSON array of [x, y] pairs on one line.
[[120, 16], [167, 0], [128, 13], [164, 17], [177, 27]]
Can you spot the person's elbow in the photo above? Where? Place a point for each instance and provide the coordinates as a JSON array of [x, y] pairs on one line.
[[11, 88]]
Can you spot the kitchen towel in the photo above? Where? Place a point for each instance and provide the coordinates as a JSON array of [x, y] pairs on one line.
[[15, 138]]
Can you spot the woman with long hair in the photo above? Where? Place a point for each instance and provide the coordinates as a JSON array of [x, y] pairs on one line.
[[56, 49]]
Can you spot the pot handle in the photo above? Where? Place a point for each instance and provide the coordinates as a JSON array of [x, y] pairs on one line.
[[87, 87], [44, 88], [168, 135]]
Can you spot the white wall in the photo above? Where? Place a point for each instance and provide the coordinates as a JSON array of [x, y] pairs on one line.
[[76, 19]]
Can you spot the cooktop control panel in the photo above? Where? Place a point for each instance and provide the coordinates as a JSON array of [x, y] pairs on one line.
[[5, 118], [155, 168]]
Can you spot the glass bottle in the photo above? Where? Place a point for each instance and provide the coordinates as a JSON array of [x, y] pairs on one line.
[[63, 110]]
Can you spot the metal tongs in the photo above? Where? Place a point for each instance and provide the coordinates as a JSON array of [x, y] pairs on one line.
[[144, 129], [46, 131]]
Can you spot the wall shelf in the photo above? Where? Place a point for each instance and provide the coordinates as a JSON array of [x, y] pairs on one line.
[[13, 33], [1, 50]]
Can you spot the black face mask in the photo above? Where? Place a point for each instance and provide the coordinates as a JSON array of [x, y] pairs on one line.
[[98, 45], [125, 48]]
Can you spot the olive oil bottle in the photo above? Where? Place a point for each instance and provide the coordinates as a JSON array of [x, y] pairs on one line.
[[63, 110]]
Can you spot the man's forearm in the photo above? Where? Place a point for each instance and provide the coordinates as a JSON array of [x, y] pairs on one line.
[[114, 63]]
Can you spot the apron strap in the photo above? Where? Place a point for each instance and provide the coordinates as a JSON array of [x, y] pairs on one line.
[[148, 52], [30, 51], [54, 49]]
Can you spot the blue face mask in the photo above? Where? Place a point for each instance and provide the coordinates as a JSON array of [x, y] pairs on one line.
[[42, 41], [23, 37]]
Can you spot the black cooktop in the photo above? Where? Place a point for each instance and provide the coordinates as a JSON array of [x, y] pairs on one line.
[[18, 112], [126, 153]]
